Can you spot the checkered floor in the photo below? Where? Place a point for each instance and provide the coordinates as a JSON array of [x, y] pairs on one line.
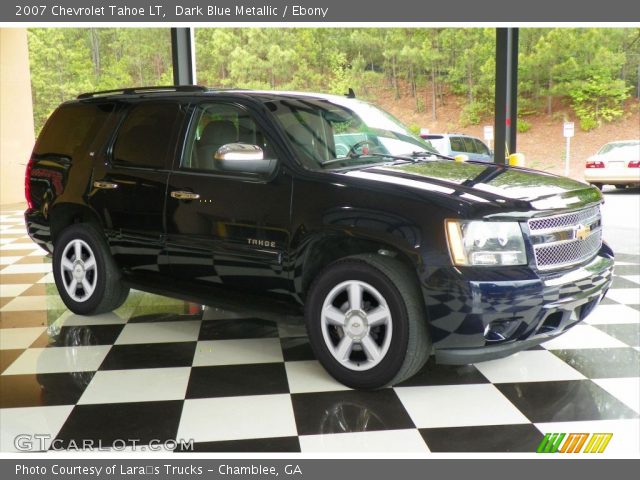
[[160, 368]]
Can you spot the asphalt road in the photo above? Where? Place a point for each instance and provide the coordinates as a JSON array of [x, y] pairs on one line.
[[621, 219]]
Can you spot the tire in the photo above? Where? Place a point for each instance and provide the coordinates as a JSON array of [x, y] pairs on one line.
[[353, 352], [620, 186], [597, 185], [98, 287]]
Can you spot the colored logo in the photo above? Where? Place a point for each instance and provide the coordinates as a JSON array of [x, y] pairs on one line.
[[574, 443]]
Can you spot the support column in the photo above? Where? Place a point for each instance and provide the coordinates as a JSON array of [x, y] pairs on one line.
[[16, 114], [506, 114], [183, 55]]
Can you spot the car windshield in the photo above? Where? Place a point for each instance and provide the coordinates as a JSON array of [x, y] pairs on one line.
[[609, 147], [335, 132]]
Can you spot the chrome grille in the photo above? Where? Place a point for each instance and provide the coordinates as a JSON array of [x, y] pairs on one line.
[[566, 220], [569, 251]]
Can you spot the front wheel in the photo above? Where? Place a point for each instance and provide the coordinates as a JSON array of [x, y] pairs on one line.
[[366, 321], [86, 276]]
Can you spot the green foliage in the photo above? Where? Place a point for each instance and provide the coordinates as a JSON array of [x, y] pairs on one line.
[[523, 126], [591, 69]]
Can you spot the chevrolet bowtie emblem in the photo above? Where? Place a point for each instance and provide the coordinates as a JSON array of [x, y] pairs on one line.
[[582, 232]]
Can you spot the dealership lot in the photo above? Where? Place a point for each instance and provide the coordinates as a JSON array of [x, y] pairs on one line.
[[161, 369]]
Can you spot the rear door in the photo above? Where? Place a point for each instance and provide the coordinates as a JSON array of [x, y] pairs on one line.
[[130, 183], [224, 227]]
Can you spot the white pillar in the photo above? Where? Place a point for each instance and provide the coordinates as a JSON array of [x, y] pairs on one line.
[[16, 114]]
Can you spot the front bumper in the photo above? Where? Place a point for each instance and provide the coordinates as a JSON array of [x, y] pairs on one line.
[[480, 314]]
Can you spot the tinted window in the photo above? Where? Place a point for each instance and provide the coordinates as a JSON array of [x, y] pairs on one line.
[[71, 128], [147, 135], [217, 125], [470, 145], [481, 147], [457, 144]]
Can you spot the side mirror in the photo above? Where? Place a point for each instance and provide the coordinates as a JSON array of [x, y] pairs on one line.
[[242, 157]]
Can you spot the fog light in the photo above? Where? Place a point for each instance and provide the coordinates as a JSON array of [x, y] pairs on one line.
[[500, 330]]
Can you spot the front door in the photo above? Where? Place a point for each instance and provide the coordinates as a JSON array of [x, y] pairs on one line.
[[227, 226]]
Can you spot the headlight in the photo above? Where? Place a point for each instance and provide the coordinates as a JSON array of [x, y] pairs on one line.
[[485, 243]]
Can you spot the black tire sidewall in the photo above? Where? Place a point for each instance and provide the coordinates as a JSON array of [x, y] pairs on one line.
[[87, 234], [387, 369]]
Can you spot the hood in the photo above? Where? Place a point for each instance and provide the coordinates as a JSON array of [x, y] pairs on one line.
[[487, 184]]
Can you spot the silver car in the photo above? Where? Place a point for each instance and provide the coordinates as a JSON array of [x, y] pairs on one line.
[[616, 163], [453, 144]]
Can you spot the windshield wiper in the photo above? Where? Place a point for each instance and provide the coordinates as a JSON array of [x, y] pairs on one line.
[[369, 155], [416, 156]]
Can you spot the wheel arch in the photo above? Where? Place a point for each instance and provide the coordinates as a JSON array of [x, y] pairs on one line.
[[63, 215]]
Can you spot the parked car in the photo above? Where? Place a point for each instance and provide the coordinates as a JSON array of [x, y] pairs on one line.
[[316, 204], [616, 163], [454, 144]]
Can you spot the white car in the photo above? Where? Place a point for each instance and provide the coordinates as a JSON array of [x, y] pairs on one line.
[[616, 163]]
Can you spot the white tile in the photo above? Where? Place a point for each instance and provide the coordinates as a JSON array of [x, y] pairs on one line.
[[236, 418], [48, 278], [583, 336], [309, 376], [14, 230], [627, 296], [529, 366], [31, 421], [458, 406], [237, 352], [58, 360], [8, 260], [627, 390], [5, 240], [38, 253], [18, 245], [613, 314], [17, 338], [69, 319], [632, 278], [28, 268], [13, 289], [389, 441], [28, 302], [625, 439], [159, 332], [137, 385]]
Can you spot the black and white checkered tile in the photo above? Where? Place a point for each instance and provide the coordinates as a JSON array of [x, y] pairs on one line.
[[161, 369]]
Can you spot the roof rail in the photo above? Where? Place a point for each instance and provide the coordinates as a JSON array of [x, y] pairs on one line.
[[132, 91]]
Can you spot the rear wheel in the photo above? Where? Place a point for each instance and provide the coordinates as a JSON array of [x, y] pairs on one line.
[[86, 276], [366, 321], [620, 186], [597, 185]]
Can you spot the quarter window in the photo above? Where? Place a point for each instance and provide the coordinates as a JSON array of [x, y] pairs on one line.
[[147, 135]]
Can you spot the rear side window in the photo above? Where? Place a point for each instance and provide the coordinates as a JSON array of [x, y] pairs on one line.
[[147, 135], [457, 144], [72, 128]]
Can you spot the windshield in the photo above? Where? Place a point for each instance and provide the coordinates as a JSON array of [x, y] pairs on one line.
[[334, 132]]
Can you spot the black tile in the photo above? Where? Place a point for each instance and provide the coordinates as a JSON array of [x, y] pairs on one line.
[[490, 438], [44, 389], [235, 380], [433, 374], [237, 329], [295, 349], [535, 347], [79, 336], [603, 362], [628, 333], [150, 355], [349, 411], [277, 444], [7, 357], [116, 422], [565, 401]]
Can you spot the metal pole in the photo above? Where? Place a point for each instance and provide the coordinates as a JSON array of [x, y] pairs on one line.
[[506, 93], [567, 157], [182, 54]]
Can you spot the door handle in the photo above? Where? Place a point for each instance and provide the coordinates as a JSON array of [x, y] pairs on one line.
[[184, 195], [105, 185]]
